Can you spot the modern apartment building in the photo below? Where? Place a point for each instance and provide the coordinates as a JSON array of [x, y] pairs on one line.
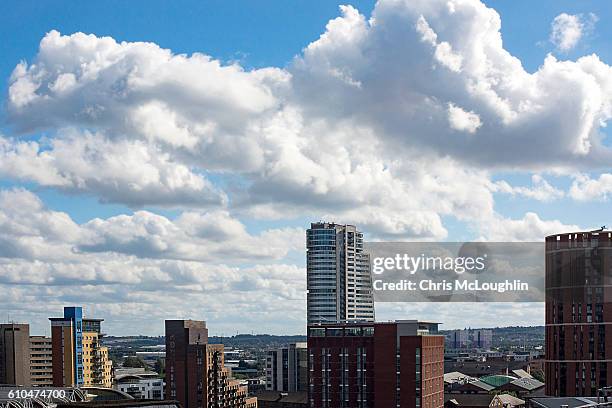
[[196, 375], [41, 363], [339, 279], [78, 357], [287, 368], [139, 383], [376, 365], [15, 354], [578, 313]]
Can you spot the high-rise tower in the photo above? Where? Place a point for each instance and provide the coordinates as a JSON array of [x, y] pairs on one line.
[[339, 279], [78, 357], [15, 354], [578, 313]]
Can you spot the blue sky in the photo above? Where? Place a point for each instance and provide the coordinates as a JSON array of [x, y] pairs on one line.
[[260, 190]]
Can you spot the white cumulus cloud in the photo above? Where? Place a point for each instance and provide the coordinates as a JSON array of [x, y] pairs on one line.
[[568, 29]]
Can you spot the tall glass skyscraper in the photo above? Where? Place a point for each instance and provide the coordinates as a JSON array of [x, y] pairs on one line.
[[339, 279]]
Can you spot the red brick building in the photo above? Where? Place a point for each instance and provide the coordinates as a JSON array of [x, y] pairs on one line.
[[376, 365], [578, 313], [196, 375]]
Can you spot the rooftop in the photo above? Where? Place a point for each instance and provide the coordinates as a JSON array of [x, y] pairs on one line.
[[569, 402]]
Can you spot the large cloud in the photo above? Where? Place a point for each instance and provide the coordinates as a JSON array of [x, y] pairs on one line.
[[419, 81], [124, 171], [401, 70]]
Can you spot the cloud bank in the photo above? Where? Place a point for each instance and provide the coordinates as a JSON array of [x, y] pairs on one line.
[[396, 122]]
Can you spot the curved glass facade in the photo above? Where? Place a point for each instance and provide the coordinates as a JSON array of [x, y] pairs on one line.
[[338, 278]]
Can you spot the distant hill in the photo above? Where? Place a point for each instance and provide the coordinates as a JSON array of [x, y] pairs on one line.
[[256, 340], [519, 335]]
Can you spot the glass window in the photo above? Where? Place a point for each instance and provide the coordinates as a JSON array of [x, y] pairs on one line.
[[335, 332], [368, 331], [353, 331], [317, 332]]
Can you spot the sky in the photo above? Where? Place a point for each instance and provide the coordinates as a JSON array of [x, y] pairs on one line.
[[163, 161]]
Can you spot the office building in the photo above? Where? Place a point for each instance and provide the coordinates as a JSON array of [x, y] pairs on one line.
[[41, 363], [79, 359], [339, 279], [196, 375], [376, 365], [15, 354], [578, 313], [287, 368], [471, 339]]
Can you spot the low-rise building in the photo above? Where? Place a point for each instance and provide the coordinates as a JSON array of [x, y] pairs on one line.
[[140, 383]]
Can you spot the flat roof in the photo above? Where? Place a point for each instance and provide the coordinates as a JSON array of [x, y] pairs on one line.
[[593, 232]]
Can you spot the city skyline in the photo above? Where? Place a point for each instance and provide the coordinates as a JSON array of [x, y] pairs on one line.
[[153, 173]]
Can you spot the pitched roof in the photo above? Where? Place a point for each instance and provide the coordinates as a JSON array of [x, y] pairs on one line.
[[469, 400], [507, 399], [497, 380], [558, 402], [478, 385], [528, 384], [520, 373]]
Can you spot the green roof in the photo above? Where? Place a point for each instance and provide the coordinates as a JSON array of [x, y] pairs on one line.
[[497, 380]]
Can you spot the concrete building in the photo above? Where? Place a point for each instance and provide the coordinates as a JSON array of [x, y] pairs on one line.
[[339, 279], [41, 361], [471, 339], [78, 357], [578, 313], [196, 375], [287, 368], [15, 354], [376, 365]]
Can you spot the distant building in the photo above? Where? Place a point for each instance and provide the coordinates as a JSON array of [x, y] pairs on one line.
[[15, 354], [41, 361], [578, 313], [195, 372], [78, 357], [471, 339], [490, 367], [376, 365], [339, 280], [139, 383], [287, 368]]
